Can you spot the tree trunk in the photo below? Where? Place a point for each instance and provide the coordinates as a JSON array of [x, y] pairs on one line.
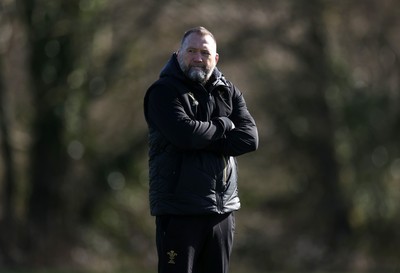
[[321, 146], [7, 222], [8, 235], [49, 65]]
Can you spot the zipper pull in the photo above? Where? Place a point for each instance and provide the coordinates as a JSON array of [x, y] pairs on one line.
[[195, 102]]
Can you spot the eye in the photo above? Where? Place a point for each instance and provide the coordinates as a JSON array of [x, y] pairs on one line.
[[205, 53]]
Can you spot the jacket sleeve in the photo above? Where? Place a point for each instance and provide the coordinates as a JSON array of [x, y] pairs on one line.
[[244, 137], [165, 112]]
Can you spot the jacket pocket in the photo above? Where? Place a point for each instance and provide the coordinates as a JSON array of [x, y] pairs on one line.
[[201, 173], [166, 172]]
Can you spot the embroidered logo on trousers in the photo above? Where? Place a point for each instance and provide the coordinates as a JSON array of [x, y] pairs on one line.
[[172, 255]]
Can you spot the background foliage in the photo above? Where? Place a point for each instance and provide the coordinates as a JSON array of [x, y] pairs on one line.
[[321, 78]]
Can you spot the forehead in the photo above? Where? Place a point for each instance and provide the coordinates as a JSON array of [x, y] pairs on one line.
[[199, 41]]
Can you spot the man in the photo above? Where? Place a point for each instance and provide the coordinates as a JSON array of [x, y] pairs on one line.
[[198, 122]]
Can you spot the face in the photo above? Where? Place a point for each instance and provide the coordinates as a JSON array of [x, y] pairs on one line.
[[198, 57]]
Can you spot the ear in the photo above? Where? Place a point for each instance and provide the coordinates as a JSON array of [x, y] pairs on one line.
[[216, 58]]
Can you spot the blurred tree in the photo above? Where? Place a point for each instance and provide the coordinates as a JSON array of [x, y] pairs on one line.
[[323, 80], [7, 220], [74, 55], [317, 143], [50, 28], [7, 206]]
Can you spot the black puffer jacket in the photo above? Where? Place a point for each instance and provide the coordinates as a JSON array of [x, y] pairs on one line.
[[192, 143]]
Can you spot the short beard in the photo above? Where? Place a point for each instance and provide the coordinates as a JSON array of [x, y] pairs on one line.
[[198, 74]]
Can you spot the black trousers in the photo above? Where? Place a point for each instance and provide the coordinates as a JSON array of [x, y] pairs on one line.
[[194, 244]]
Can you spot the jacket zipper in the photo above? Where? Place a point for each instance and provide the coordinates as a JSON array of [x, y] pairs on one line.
[[225, 173], [220, 205], [220, 192]]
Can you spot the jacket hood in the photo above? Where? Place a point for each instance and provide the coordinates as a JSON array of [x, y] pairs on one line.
[[172, 69]]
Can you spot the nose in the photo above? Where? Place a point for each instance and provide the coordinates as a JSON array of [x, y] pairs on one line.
[[197, 57]]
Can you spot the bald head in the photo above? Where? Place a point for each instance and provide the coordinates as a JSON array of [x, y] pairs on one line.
[[202, 31]]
